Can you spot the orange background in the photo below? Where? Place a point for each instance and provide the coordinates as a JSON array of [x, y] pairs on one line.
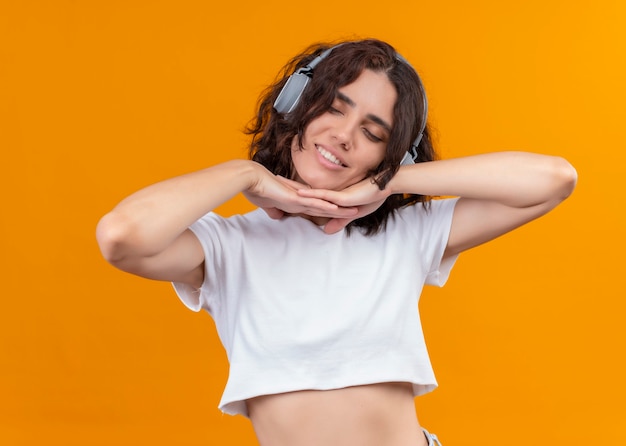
[[99, 98]]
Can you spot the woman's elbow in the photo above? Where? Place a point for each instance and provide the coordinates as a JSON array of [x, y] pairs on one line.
[[565, 178], [114, 233]]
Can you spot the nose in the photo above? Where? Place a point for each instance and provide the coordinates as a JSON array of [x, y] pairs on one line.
[[343, 132]]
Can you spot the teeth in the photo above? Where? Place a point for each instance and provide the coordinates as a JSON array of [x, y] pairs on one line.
[[329, 156]]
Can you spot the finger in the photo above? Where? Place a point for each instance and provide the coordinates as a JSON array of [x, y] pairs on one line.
[[336, 224], [274, 213], [291, 183], [337, 213], [327, 206], [323, 194], [313, 207]]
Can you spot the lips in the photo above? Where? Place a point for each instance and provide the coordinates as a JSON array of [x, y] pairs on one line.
[[329, 156]]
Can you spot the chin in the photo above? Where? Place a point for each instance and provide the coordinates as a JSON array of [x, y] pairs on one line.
[[321, 179], [321, 184], [329, 183]]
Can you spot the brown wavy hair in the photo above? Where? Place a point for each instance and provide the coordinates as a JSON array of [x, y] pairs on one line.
[[272, 133]]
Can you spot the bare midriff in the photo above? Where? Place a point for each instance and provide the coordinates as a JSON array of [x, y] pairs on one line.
[[371, 415]]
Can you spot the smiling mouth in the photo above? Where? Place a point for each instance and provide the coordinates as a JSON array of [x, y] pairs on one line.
[[330, 157]]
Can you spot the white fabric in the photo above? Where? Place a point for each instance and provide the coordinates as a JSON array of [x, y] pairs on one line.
[[298, 309]]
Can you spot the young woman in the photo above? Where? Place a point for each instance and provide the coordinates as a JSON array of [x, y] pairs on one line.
[[315, 293]]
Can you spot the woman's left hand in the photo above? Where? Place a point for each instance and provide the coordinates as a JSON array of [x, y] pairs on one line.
[[365, 195]]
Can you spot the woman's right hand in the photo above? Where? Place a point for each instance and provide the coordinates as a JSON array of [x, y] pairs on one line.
[[278, 196]]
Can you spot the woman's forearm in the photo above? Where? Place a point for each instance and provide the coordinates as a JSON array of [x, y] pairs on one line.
[[147, 221], [516, 179]]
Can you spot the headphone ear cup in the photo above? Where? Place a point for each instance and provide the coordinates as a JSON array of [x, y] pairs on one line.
[[290, 94]]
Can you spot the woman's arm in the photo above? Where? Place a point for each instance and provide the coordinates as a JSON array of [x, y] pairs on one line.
[[499, 192], [146, 233]]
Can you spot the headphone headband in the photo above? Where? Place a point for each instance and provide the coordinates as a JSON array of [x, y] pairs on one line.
[[296, 84]]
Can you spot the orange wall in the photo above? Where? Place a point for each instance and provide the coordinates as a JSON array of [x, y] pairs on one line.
[[99, 98]]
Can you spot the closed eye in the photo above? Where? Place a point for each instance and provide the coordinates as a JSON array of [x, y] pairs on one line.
[[371, 136], [334, 111]]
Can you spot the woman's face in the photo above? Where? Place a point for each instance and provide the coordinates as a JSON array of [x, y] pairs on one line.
[[344, 143]]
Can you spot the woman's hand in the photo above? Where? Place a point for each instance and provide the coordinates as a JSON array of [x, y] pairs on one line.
[[278, 196], [364, 196]]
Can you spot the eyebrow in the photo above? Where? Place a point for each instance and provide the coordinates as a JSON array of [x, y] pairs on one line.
[[376, 119]]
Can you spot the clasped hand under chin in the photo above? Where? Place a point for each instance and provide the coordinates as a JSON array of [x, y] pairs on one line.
[[332, 209]]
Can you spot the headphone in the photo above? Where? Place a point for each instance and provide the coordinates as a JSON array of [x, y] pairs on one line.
[[293, 89]]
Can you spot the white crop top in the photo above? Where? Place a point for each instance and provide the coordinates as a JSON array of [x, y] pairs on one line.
[[298, 309]]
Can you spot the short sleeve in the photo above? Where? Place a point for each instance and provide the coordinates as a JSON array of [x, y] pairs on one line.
[[188, 295], [206, 230], [437, 225]]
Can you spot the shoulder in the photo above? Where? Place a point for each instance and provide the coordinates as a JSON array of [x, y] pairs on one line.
[[215, 221], [431, 211], [423, 223]]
